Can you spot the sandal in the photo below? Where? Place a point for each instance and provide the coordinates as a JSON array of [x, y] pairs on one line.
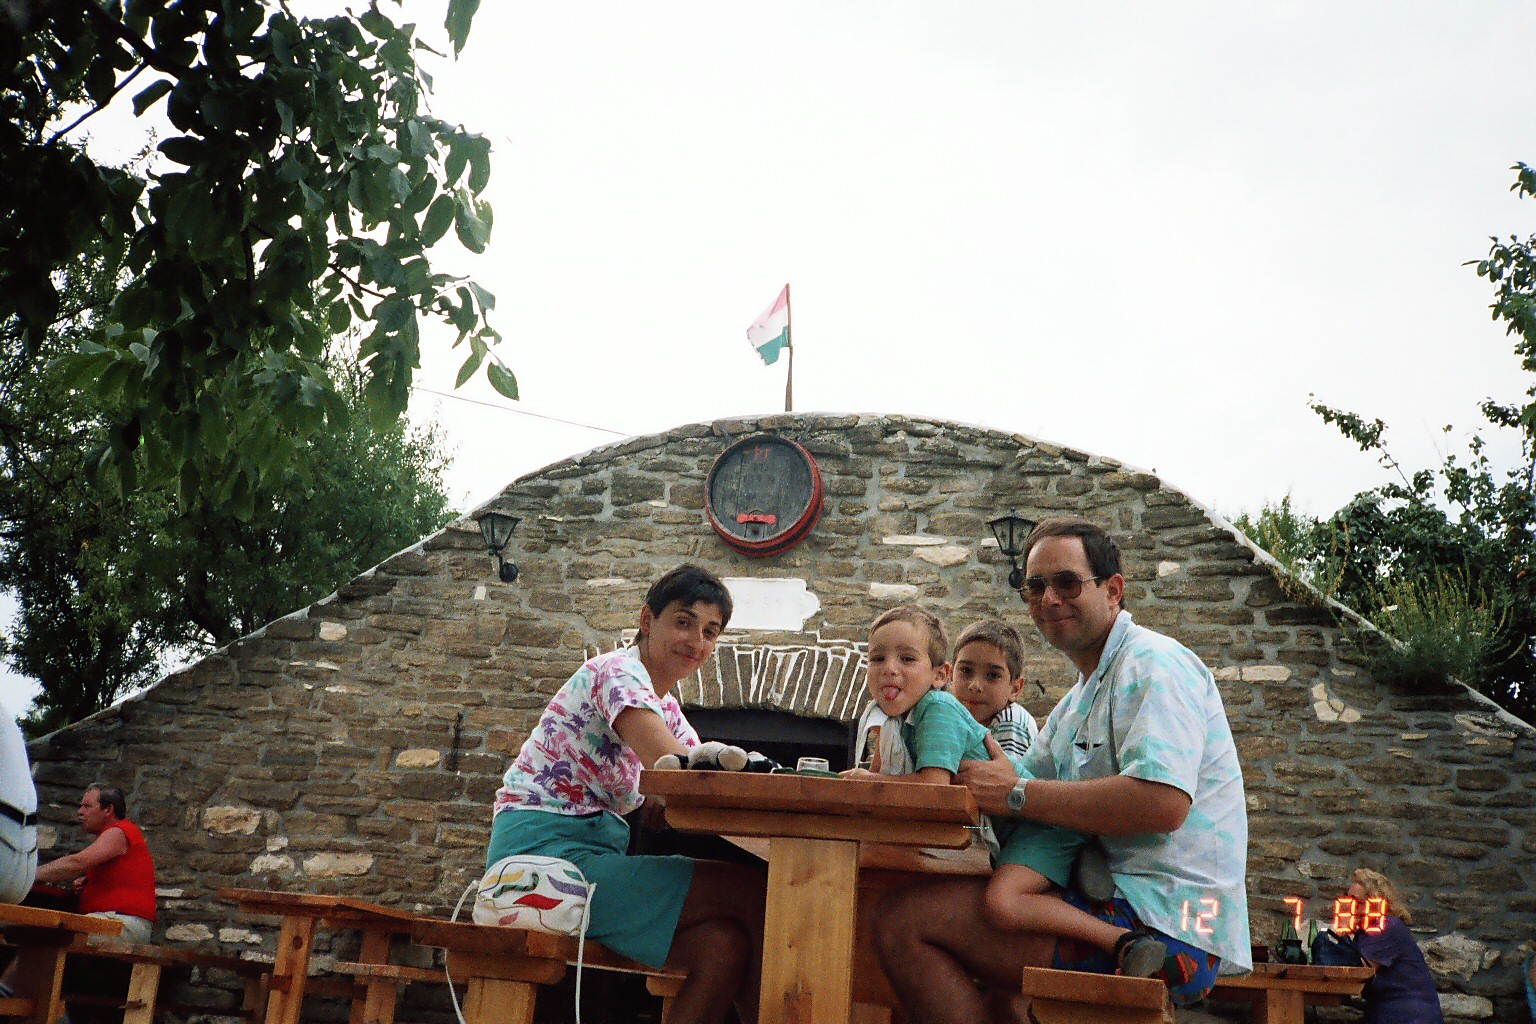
[[1139, 955]]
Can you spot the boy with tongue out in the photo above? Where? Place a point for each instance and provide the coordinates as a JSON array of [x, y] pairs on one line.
[[929, 734]]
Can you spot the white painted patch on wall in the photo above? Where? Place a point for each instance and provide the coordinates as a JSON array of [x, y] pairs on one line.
[[914, 540], [782, 604], [480, 592], [244, 935], [1167, 568], [1330, 709], [943, 556], [899, 591]]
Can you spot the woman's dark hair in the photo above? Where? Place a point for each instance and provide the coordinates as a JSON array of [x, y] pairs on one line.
[[689, 584]]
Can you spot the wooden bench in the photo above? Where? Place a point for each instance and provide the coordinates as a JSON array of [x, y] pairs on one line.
[[502, 968], [1075, 997], [43, 939], [149, 963], [381, 985], [1280, 993]]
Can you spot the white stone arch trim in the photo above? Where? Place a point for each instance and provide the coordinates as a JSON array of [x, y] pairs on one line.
[[812, 677]]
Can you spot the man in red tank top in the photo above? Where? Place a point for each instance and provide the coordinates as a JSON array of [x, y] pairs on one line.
[[119, 874]]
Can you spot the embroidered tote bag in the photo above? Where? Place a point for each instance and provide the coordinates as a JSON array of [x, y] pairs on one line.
[[543, 894]]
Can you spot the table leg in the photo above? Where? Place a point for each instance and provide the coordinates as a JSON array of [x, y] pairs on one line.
[[290, 970], [1280, 1006], [143, 990], [667, 988], [808, 935], [497, 1001], [369, 1007], [40, 978], [501, 989]]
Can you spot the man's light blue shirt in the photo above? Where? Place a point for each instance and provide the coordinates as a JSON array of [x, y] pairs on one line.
[[1169, 726]]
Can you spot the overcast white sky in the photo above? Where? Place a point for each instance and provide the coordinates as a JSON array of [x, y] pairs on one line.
[[1144, 230]]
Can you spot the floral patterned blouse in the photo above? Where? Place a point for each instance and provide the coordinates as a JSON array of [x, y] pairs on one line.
[[574, 762]]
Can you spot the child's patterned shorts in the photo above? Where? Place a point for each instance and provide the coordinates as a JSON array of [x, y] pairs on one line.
[[1188, 972]]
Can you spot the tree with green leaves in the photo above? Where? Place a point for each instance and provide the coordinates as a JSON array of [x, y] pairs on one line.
[[1443, 559], [296, 202], [112, 585]]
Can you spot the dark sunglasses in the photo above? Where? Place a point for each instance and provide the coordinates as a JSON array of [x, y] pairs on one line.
[[1066, 584]]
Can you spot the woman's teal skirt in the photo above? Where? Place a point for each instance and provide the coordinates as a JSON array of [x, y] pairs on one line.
[[638, 899]]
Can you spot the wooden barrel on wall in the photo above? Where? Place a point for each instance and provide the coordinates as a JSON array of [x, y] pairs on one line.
[[763, 495]]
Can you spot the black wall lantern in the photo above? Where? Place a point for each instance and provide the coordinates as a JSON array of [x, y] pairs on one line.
[[497, 526], [1011, 532]]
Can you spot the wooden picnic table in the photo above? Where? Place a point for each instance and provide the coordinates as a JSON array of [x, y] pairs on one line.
[[43, 938], [818, 830], [301, 914], [1280, 993], [883, 868]]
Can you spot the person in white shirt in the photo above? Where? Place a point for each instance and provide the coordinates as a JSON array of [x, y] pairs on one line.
[[18, 814]]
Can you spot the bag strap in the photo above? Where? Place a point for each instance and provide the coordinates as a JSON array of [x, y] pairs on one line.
[[581, 943]]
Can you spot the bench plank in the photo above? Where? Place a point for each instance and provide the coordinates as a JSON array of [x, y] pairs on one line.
[[1105, 989], [391, 972], [168, 956], [490, 939], [1076, 997]]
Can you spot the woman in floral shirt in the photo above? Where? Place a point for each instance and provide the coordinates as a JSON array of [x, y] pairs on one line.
[[579, 772]]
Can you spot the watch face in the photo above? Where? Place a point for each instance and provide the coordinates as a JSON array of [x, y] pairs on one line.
[[1016, 798]]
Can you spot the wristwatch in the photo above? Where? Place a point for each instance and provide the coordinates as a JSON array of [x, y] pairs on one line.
[[1016, 796]]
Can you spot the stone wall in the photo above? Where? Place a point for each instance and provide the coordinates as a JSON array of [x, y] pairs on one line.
[[354, 745]]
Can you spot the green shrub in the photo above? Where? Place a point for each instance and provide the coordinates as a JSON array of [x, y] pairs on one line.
[[1444, 630], [1311, 551]]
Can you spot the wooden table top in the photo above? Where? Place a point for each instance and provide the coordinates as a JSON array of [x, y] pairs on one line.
[[972, 861], [784, 805], [16, 916], [811, 794], [339, 910], [1302, 977]]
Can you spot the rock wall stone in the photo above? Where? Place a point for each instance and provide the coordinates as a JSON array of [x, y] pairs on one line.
[[354, 746]]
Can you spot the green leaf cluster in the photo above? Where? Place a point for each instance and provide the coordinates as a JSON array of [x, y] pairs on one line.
[[297, 200], [112, 584], [1443, 559]]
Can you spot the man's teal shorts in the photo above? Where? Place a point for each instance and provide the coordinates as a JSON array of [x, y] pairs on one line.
[[1046, 848]]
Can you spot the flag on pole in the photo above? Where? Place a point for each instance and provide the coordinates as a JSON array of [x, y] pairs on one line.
[[770, 332]]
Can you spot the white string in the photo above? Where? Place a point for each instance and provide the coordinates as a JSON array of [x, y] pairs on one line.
[[453, 996], [581, 947], [581, 944]]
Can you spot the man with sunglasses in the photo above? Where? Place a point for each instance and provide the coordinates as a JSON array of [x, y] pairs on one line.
[[1138, 754]]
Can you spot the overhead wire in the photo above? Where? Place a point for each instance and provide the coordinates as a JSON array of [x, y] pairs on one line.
[[519, 412]]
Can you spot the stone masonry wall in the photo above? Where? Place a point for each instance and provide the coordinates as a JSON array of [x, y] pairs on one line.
[[354, 746]]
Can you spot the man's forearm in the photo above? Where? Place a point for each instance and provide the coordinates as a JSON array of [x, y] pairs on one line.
[[62, 870], [1114, 806]]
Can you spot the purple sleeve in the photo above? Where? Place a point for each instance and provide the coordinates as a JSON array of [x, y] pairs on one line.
[[617, 688], [1385, 946]]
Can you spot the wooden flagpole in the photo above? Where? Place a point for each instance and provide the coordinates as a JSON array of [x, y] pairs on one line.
[[789, 331]]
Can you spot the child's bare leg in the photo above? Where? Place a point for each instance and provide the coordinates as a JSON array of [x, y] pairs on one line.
[[1019, 899], [719, 941]]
